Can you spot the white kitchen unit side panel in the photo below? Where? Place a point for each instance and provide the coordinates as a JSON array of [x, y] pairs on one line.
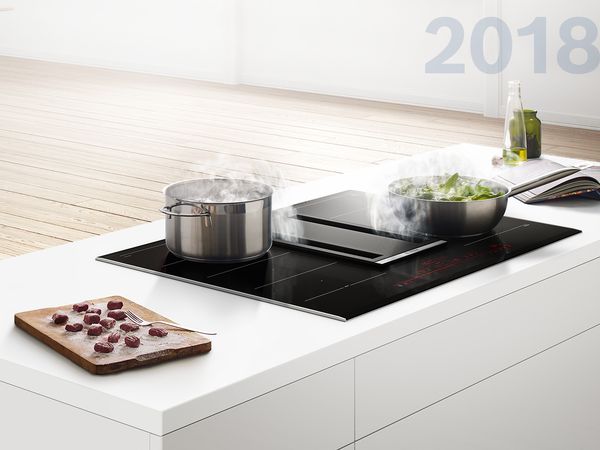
[[549, 402], [413, 372], [29, 421], [314, 413]]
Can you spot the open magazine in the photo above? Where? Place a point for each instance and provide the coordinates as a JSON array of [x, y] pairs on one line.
[[585, 183]]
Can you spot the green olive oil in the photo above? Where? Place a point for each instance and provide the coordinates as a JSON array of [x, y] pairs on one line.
[[514, 156]]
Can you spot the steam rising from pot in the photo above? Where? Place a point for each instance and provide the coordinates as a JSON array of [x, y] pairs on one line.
[[219, 190], [252, 180]]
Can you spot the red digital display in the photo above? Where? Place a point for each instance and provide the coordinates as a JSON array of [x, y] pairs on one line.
[[443, 263]]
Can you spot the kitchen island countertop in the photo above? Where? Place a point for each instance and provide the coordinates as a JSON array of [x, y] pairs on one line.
[[259, 347]]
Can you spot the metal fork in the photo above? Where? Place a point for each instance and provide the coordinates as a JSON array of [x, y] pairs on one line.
[[143, 323]]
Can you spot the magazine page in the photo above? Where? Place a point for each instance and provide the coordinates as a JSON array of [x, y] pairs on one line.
[[537, 167]]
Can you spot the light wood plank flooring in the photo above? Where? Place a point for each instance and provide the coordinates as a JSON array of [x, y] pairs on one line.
[[85, 151]]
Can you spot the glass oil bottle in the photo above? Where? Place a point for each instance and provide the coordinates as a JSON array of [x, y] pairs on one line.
[[515, 134]]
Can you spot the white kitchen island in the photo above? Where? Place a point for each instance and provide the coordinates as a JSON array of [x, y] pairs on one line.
[[506, 357]]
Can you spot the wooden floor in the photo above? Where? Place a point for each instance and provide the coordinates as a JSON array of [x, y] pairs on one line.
[[85, 151]]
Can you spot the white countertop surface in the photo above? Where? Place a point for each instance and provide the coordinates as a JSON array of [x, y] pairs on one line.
[[260, 346]]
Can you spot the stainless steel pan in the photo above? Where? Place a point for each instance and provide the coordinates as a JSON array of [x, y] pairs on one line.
[[448, 219]]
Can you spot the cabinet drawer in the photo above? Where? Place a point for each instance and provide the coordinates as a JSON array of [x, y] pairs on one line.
[[549, 402], [30, 421], [314, 413], [413, 372]]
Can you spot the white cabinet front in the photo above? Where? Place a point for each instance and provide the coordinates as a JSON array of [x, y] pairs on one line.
[[418, 370], [548, 402], [314, 413], [29, 421]]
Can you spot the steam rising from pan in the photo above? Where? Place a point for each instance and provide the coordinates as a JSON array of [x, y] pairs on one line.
[[432, 164]]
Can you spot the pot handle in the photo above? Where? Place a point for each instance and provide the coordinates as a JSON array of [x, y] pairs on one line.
[[168, 210], [543, 179]]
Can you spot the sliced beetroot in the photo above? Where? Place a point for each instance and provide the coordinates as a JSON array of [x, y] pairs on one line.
[[129, 326], [117, 314], [91, 318], [103, 347], [74, 327], [95, 330], [80, 307], [132, 341], [114, 337], [60, 318], [108, 323], [114, 304], [159, 332], [95, 311]]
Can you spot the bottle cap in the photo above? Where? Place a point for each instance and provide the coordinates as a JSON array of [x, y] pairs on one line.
[[514, 85]]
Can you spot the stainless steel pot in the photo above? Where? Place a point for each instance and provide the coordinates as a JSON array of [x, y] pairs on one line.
[[448, 219], [218, 220]]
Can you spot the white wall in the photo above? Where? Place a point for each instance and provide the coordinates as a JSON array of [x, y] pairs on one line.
[[572, 99], [190, 38], [374, 49]]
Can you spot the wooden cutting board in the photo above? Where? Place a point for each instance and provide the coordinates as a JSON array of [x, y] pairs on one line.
[[79, 347]]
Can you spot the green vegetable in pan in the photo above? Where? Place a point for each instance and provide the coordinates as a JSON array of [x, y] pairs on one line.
[[454, 189]]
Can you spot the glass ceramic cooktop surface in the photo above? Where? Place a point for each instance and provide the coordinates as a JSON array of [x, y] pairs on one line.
[[338, 287]]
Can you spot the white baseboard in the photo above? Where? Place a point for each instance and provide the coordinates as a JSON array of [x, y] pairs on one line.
[[210, 76], [571, 120], [372, 95]]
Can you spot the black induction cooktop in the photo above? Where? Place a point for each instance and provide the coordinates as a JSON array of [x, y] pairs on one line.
[[336, 286]]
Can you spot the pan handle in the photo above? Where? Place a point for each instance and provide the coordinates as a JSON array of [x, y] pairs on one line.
[[168, 210], [543, 179]]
